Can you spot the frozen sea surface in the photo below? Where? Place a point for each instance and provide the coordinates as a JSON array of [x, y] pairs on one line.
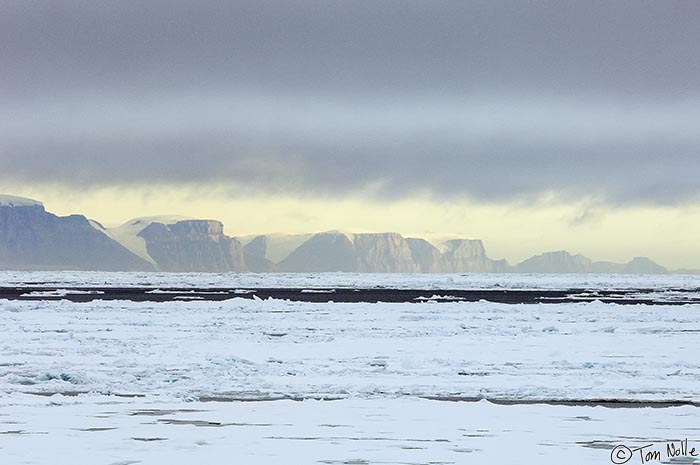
[[353, 280], [117, 382], [243, 348], [99, 430]]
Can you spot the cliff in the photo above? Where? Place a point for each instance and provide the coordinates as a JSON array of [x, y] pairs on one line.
[[467, 255], [255, 253], [424, 254], [193, 245], [383, 253], [33, 239], [330, 251]]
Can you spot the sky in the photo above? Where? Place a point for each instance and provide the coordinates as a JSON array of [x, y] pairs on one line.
[[533, 125]]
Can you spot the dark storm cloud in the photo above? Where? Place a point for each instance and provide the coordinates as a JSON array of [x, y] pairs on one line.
[[493, 100]]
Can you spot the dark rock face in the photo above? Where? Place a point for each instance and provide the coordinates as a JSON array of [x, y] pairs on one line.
[[33, 239], [193, 245], [364, 253], [425, 255], [324, 252], [254, 253], [388, 253], [383, 253], [464, 255]]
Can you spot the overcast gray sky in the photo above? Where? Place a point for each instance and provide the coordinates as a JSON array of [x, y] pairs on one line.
[[487, 100]]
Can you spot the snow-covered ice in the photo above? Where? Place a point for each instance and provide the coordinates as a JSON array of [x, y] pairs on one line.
[[110, 431], [178, 382], [243, 348], [435, 281]]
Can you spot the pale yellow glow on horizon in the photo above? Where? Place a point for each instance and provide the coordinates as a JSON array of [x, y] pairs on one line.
[[515, 231]]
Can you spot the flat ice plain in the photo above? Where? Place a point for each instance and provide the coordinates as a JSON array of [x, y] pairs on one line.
[[121, 382]]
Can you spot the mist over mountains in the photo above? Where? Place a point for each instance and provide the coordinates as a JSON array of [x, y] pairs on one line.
[[33, 239]]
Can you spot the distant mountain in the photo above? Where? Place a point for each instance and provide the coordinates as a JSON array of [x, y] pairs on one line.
[[468, 255], [128, 233], [193, 245], [181, 244], [329, 251], [383, 253], [687, 271], [359, 253], [33, 239], [388, 253], [554, 262], [277, 246], [425, 255], [255, 253], [564, 262], [643, 265]]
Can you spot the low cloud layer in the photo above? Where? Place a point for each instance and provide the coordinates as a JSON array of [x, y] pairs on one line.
[[487, 100]]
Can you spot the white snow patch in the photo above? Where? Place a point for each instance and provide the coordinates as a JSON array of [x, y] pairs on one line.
[[96, 225], [436, 297], [60, 293], [162, 291], [127, 234], [339, 232], [13, 201]]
